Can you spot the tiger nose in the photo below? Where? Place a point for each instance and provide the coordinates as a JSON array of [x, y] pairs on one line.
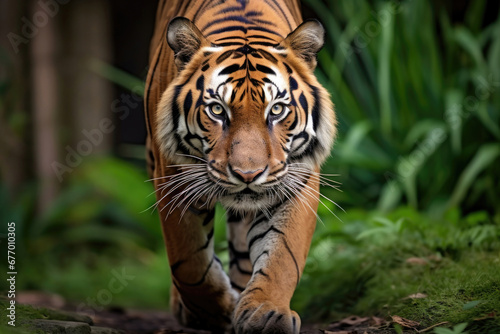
[[247, 176]]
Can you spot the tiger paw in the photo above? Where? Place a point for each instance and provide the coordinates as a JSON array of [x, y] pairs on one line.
[[267, 318], [218, 321]]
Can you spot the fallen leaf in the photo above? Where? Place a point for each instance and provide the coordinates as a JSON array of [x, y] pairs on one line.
[[487, 316], [378, 322], [417, 295], [404, 322], [352, 324], [354, 320], [435, 258], [416, 260]]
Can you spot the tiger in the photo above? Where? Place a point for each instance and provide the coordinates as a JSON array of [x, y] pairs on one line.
[[236, 116]]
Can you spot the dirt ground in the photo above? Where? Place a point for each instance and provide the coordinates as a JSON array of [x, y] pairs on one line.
[[162, 322]]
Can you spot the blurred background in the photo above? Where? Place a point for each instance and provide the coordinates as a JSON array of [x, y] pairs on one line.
[[416, 86]]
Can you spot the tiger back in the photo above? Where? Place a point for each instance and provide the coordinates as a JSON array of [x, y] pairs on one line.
[[235, 115]]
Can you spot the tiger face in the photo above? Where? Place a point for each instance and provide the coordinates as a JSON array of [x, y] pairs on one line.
[[252, 112]]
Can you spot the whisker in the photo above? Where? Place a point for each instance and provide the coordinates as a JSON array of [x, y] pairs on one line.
[[302, 201], [313, 192], [191, 156]]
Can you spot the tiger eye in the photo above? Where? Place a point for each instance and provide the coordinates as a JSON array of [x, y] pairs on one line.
[[216, 109], [277, 109]]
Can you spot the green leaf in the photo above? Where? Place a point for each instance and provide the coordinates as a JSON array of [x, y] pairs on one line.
[[459, 329], [384, 81], [471, 305], [483, 158], [464, 37], [118, 76], [442, 330], [390, 197], [454, 117]]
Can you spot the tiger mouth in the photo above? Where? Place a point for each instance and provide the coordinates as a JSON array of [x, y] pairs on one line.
[[248, 191]]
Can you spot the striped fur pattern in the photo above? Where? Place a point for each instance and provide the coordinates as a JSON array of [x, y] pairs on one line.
[[236, 116]]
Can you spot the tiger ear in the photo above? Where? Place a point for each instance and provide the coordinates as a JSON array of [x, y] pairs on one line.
[[306, 41], [185, 39]]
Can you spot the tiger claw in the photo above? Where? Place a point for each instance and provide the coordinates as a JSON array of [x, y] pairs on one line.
[[265, 318]]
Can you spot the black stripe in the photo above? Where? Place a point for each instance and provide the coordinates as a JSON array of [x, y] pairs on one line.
[[294, 261], [316, 107], [231, 37], [227, 29], [260, 255], [243, 95], [261, 272], [257, 222], [209, 218], [309, 151], [265, 30], [200, 84], [219, 171], [253, 289], [305, 136], [262, 235], [265, 69], [200, 282], [303, 103], [236, 253], [268, 56], [176, 115], [243, 271], [224, 56], [260, 36], [277, 171], [230, 44], [237, 287], [227, 19], [176, 265], [282, 13], [200, 123], [241, 7], [218, 260], [197, 211], [230, 69], [295, 122], [209, 238], [262, 43]]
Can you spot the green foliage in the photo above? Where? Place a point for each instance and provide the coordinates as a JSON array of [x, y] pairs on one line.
[[99, 206], [118, 76], [373, 264], [100, 222], [458, 329], [419, 113]]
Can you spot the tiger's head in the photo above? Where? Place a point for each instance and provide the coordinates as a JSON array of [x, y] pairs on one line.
[[251, 111]]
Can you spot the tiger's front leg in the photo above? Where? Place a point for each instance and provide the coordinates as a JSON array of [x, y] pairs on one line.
[[278, 250], [201, 293]]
